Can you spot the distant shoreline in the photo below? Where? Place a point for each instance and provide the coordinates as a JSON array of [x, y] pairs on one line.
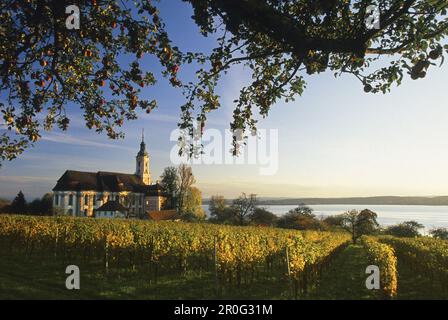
[[378, 200]]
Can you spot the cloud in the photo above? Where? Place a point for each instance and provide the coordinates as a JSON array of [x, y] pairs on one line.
[[68, 139], [32, 186], [160, 117]]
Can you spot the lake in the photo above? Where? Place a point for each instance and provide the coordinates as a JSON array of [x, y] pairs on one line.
[[429, 216]]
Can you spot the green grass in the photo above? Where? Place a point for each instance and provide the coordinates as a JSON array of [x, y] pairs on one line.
[[345, 278]]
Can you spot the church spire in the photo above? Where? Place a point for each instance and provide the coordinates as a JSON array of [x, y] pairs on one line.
[[142, 162], [143, 144]]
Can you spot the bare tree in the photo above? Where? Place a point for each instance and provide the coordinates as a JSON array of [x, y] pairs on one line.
[[244, 206]]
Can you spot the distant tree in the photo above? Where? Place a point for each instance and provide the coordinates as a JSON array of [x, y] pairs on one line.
[[243, 207], [34, 207], [216, 206], [170, 185], [47, 203], [4, 204], [439, 233], [41, 207], [303, 209], [334, 221], [263, 217], [360, 223], [408, 229], [193, 210], [186, 180], [18, 205], [230, 216], [301, 218], [367, 222], [220, 212]]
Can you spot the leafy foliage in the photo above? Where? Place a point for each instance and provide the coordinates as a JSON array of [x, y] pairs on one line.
[[43, 206], [262, 217], [408, 229], [279, 41], [439, 233], [44, 67], [240, 212], [301, 218], [170, 184], [383, 256], [360, 223], [193, 210], [18, 205], [216, 207], [424, 255]]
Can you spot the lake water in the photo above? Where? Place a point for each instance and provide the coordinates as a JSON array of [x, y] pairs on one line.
[[429, 216]]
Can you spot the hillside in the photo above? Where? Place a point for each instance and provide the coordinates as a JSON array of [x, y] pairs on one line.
[[380, 200]]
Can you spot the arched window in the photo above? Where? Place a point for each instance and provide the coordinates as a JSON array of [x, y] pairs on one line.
[[70, 212], [86, 200], [85, 212]]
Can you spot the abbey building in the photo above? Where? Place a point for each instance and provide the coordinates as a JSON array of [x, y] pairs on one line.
[[92, 194]]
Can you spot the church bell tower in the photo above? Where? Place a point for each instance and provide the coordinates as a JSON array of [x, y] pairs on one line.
[[142, 163]]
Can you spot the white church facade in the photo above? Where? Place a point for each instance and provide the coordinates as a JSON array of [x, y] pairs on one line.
[[80, 193]]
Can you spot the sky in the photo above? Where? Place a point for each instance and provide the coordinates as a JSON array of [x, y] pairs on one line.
[[333, 141]]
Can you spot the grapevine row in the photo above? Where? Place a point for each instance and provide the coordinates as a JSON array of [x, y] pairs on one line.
[[383, 256], [424, 256], [235, 253]]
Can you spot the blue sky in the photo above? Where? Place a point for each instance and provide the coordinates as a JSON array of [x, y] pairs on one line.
[[335, 140]]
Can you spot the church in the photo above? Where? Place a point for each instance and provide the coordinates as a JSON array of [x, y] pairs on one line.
[[98, 194]]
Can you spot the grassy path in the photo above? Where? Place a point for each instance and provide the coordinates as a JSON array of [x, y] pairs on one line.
[[345, 278]]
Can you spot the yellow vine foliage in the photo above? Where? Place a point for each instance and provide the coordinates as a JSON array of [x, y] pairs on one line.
[[383, 256], [237, 248], [426, 255]]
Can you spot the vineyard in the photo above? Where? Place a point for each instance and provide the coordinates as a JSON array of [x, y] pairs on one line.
[[384, 257], [237, 255], [424, 256], [227, 257]]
